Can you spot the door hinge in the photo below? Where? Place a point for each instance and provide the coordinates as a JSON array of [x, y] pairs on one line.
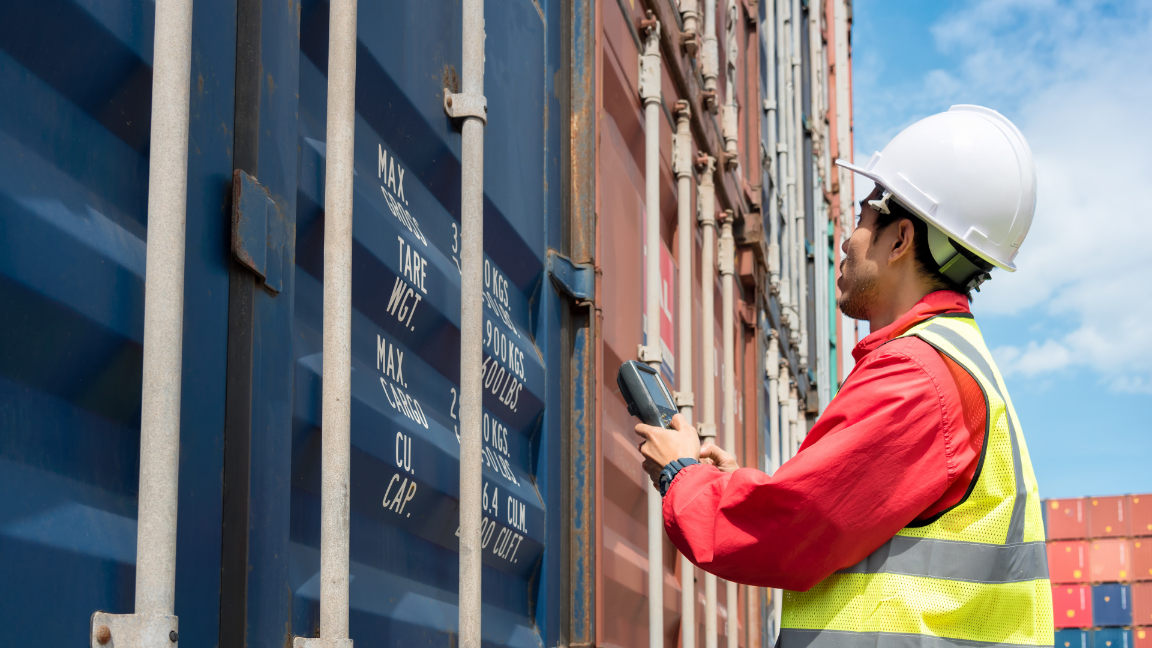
[[259, 230], [577, 280]]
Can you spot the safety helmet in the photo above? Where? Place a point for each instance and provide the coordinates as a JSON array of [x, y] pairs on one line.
[[969, 174]]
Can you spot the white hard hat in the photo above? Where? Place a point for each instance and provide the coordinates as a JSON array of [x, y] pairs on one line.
[[968, 172]]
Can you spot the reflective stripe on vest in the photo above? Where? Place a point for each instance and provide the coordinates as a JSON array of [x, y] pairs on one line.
[[974, 575]]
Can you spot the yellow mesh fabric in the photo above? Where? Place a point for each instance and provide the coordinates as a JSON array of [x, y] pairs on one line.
[[1019, 613], [1001, 613], [985, 515]]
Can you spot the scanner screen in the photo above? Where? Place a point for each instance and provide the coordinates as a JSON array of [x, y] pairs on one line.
[[654, 387]]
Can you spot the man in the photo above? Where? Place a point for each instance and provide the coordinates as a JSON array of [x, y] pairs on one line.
[[910, 515]]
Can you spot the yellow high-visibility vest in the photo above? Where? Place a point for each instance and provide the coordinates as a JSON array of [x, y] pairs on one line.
[[974, 575]]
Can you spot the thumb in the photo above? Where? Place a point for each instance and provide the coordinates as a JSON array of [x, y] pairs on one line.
[[708, 451]]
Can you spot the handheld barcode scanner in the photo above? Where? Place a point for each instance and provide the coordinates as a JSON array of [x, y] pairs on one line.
[[648, 398]]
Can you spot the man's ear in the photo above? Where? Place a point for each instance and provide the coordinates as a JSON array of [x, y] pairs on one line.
[[902, 240]]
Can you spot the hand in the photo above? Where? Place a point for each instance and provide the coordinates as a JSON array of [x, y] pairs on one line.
[[662, 446], [710, 453]]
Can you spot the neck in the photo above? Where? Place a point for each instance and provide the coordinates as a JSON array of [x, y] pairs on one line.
[[901, 297]]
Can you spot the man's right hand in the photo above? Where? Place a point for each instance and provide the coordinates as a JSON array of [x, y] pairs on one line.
[[710, 453]]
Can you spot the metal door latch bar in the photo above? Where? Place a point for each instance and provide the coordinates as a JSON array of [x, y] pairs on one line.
[[259, 231]]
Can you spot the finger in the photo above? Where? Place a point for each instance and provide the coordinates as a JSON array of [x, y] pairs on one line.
[[709, 451], [680, 424], [644, 430], [646, 451]]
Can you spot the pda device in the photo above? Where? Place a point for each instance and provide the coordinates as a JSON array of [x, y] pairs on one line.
[[647, 397]]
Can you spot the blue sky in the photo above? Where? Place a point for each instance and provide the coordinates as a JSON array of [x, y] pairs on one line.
[[1072, 329]]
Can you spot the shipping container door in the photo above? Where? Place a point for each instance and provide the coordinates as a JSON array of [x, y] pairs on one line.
[[405, 327], [75, 106]]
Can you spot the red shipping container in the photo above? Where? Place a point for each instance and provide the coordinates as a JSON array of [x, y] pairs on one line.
[[1072, 606], [1110, 561], [1140, 506], [1067, 519], [1141, 637], [1108, 517], [1068, 561], [1142, 559], [1142, 604]]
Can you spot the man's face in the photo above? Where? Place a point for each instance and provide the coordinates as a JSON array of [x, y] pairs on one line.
[[859, 271]]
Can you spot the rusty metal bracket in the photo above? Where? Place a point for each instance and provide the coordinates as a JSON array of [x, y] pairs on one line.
[[577, 280], [459, 105], [259, 230], [133, 630]]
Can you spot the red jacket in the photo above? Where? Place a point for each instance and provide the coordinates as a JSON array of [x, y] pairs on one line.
[[900, 442]]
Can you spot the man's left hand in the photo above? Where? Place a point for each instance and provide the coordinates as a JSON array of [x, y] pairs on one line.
[[661, 446]]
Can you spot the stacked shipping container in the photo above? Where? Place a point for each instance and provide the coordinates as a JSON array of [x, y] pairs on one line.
[[1100, 565]]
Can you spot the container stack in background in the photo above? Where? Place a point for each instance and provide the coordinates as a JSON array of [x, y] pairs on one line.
[[1100, 565]]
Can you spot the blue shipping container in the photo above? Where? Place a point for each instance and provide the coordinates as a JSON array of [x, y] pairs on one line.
[[1112, 638], [1073, 638], [75, 96], [1111, 604]]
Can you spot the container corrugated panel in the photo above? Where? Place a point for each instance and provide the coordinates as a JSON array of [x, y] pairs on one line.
[[1142, 604], [1142, 637], [405, 327], [622, 611], [1110, 560], [1073, 638], [75, 105], [1112, 638], [1141, 508], [1068, 561], [1111, 604], [1067, 519], [1142, 559], [1109, 517], [1072, 606]]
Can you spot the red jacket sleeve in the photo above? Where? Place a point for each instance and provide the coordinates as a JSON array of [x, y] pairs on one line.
[[876, 459]]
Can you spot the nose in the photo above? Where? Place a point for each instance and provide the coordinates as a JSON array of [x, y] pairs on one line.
[[844, 246]]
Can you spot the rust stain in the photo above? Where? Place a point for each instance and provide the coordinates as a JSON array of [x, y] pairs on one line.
[[450, 79]]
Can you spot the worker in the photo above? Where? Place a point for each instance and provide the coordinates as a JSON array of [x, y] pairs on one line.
[[910, 514]]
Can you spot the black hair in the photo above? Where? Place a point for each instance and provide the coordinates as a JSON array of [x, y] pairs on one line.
[[922, 252]]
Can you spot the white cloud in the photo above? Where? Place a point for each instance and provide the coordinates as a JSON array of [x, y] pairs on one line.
[[1076, 77]]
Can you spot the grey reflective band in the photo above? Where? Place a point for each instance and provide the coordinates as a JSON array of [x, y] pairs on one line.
[[1016, 523], [793, 638], [975, 562]]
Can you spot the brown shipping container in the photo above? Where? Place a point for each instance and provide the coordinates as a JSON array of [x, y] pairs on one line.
[[1067, 519], [1068, 561], [1110, 561], [1108, 517], [1141, 508], [1142, 559], [622, 562], [1141, 637], [1142, 604]]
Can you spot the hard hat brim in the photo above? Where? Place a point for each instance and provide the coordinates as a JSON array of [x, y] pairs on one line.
[[1009, 266]]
